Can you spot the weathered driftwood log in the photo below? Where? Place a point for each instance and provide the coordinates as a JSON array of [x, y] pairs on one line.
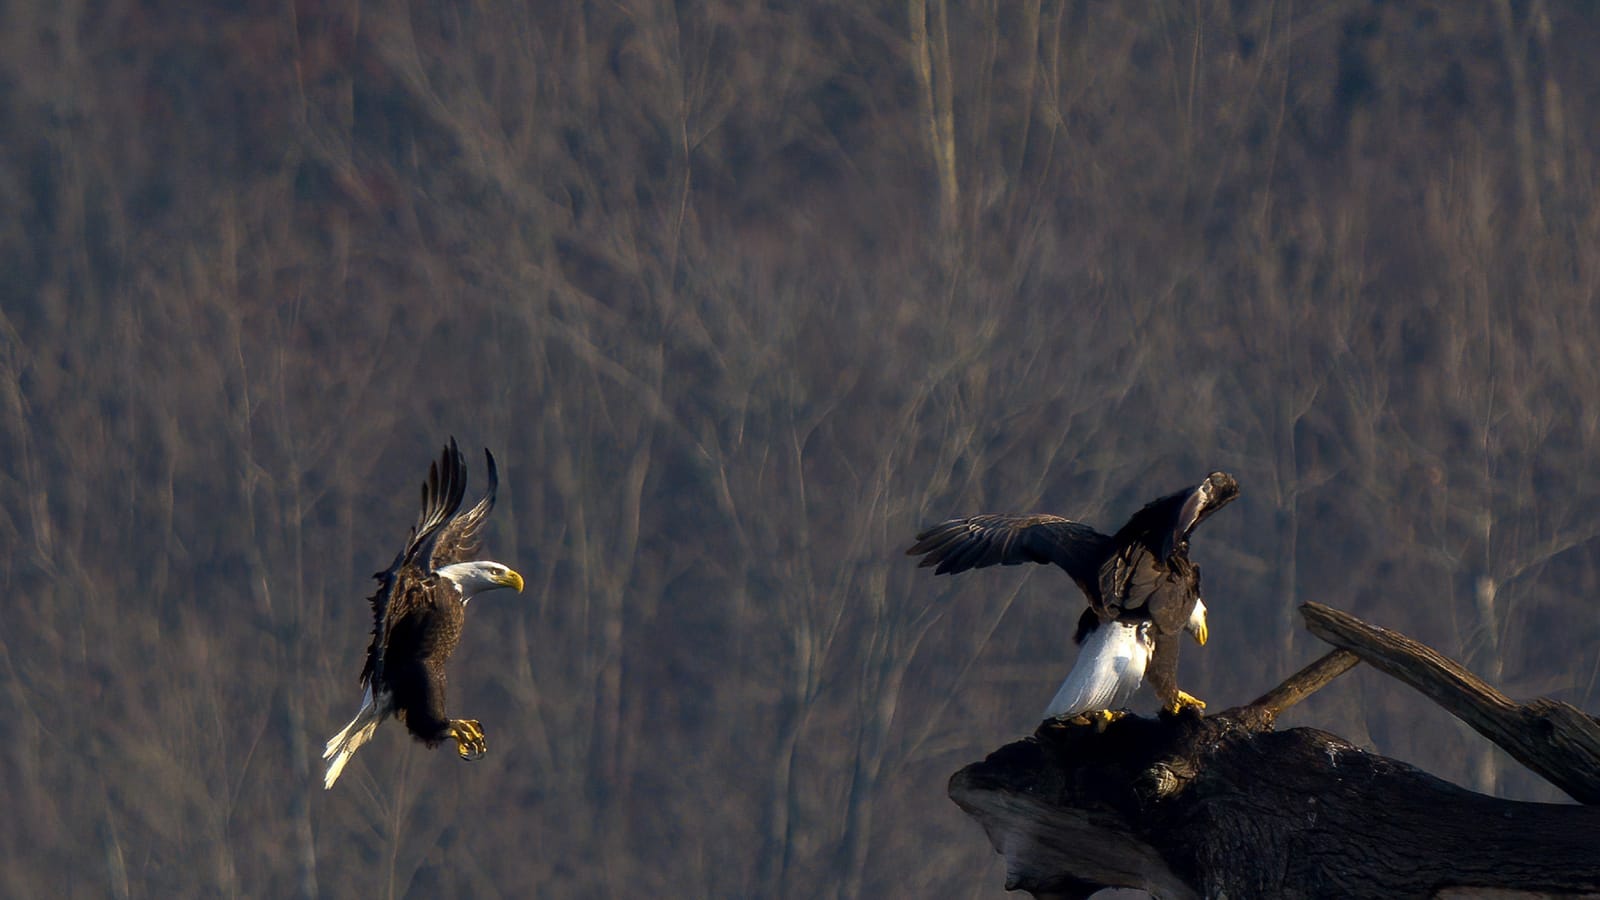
[[1556, 740], [1223, 806]]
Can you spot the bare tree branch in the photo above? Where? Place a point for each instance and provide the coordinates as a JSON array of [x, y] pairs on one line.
[[1554, 739], [1304, 683]]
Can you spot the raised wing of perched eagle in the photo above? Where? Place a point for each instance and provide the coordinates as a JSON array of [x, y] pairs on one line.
[[1142, 589], [417, 615]]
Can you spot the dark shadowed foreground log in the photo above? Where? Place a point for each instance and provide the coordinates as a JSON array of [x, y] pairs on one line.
[[1192, 807], [1224, 806]]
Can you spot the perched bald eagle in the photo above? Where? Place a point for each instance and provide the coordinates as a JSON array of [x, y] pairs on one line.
[[1142, 589], [417, 614]]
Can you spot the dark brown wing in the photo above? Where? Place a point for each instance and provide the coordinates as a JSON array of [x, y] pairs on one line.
[[402, 584], [460, 538], [1164, 524], [1149, 574], [1218, 490], [423, 629], [1135, 584], [1008, 540]]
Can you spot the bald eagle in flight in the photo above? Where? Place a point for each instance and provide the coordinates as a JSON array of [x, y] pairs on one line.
[[417, 614], [1142, 589]]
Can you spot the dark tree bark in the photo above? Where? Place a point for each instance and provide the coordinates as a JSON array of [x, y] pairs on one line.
[[1188, 806]]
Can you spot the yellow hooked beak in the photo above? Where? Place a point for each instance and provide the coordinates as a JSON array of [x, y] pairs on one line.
[[512, 580], [1200, 631]]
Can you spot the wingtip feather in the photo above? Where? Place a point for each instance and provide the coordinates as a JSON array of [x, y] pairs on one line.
[[493, 475]]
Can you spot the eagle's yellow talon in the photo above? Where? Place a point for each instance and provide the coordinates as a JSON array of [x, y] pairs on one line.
[[1099, 718], [1104, 717], [468, 735], [1183, 701]]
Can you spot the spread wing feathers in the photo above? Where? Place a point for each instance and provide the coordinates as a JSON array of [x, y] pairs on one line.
[[1004, 539], [1108, 672], [398, 585], [1152, 553], [459, 539], [441, 498], [1164, 524], [1218, 490]]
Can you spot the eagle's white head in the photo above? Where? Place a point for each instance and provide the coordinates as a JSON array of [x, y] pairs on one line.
[[473, 578]]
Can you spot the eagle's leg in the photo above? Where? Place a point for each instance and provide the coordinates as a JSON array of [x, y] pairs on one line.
[[421, 684], [468, 735], [1162, 676], [1181, 701]]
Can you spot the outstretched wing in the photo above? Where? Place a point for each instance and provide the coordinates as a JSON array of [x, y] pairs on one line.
[[1164, 524], [1218, 490], [1008, 540], [1150, 569], [400, 585], [458, 540]]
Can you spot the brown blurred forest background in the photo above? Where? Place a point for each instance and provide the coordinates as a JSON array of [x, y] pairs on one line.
[[742, 295]]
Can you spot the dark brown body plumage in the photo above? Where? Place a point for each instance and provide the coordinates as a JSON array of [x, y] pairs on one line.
[[424, 628]]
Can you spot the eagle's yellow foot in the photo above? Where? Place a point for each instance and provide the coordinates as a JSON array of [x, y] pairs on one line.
[[1099, 718], [468, 735], [1184, 701]]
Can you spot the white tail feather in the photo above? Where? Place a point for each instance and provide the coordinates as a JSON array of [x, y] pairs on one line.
[[344, 745], [1108, 672]]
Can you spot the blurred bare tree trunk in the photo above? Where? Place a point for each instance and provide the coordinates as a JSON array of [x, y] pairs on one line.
[[932, 63]]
